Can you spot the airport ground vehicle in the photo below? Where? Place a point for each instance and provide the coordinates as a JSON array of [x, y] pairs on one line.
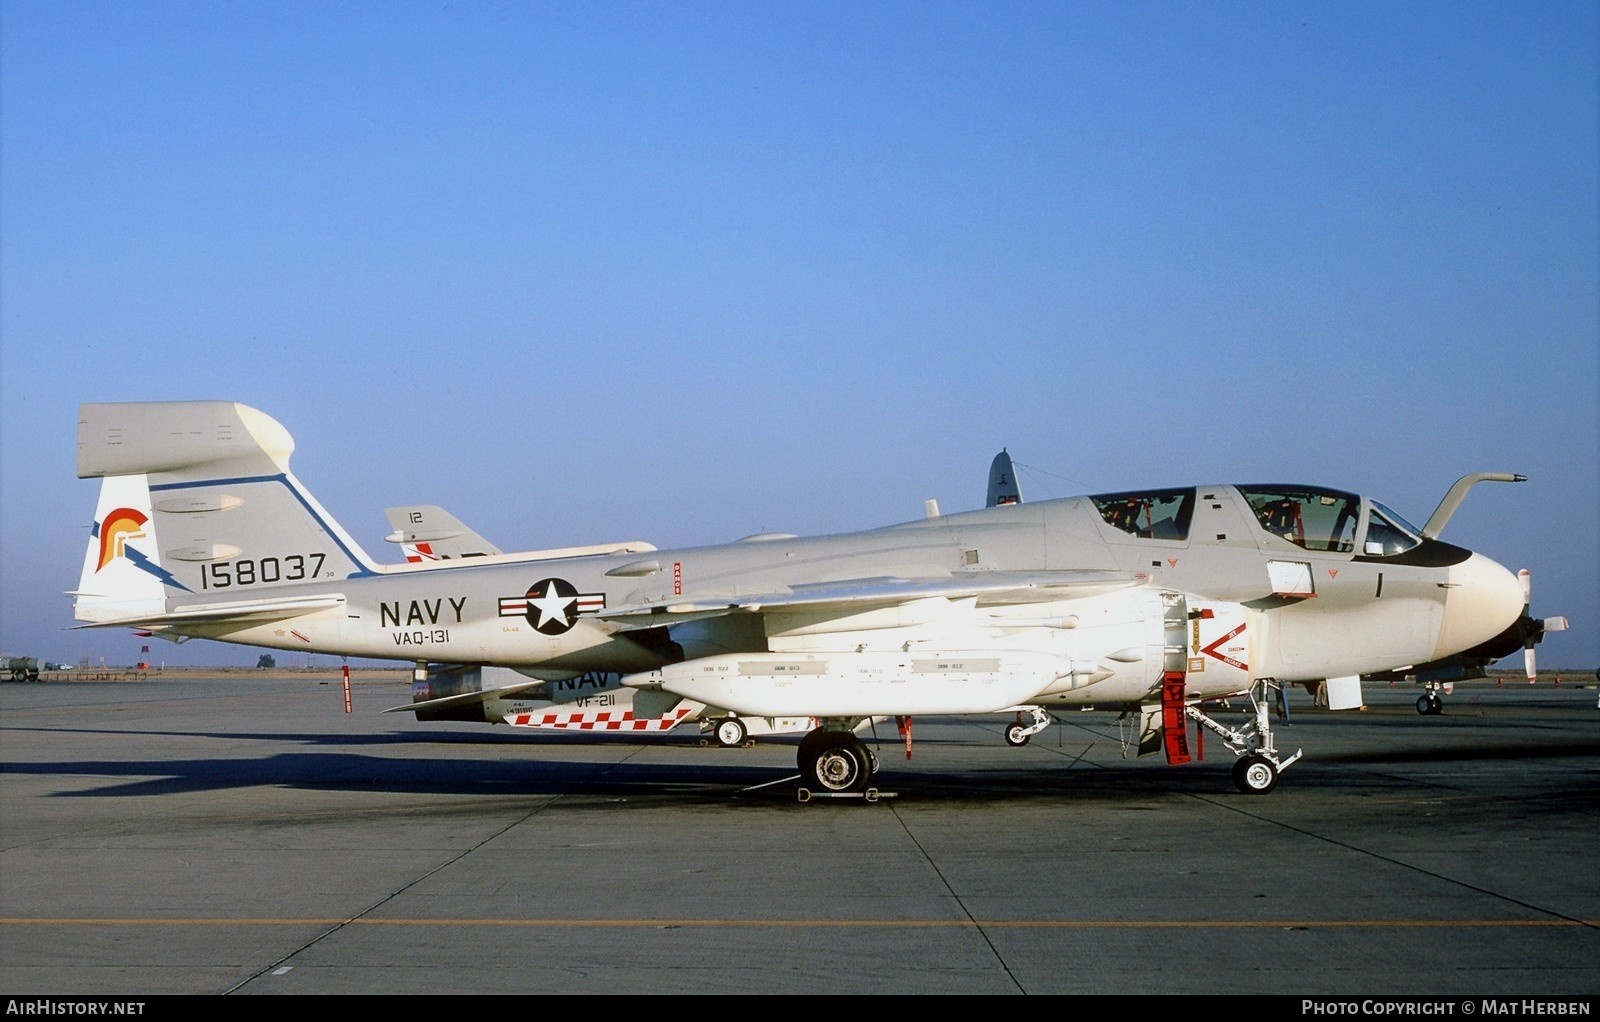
[[19, 668]]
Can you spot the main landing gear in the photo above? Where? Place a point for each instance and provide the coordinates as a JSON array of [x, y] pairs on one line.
[[835, 762], [1256, 770]]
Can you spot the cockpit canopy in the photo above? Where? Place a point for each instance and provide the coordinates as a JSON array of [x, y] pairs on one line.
[[1329, 520], [1148, 514], [1312, 518]]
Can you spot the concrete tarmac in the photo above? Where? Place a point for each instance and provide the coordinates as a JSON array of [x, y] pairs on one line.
[[248, 835]]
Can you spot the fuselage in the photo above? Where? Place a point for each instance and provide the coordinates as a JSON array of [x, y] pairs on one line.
[[1335, 600]]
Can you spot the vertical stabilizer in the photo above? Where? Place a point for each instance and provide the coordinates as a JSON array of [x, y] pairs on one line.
[[1003, 488], [427, 532], [198, 505], [122, 576]]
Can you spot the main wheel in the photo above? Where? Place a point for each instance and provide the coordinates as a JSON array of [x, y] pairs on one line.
[[730, 732], [1424, 705], [809, 745], [837, 761], [1255, 775], [1017, 735]]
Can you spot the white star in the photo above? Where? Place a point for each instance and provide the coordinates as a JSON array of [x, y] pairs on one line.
[[552, 606]]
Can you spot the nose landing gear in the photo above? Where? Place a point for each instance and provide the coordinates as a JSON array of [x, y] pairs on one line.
[[1256, 770]]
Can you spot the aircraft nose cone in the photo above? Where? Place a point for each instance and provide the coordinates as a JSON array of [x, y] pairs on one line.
[[1484, 599]]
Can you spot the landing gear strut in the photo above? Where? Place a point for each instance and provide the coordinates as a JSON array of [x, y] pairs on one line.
[[1018, 733], [1256, 770]]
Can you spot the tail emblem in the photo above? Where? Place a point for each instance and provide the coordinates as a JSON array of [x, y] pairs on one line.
[[121, 525], [115, 530]]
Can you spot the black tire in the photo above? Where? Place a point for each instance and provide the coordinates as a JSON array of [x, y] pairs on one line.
[[730, 732], [1425, 705], [1016, 737], [1254, 775], [835, 762], [809, 745]]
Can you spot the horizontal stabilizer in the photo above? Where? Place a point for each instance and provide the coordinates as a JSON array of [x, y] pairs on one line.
[[254, 612]]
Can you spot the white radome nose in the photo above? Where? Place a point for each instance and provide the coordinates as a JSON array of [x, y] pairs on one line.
[[1484, 600]]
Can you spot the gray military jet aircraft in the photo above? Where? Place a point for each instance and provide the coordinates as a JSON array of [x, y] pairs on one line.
[[1152, 601]]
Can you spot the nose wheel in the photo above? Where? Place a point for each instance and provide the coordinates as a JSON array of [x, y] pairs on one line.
[[1254, 775]]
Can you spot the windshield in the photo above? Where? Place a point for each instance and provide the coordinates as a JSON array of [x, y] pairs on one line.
[[1314, 519], [1388, 534]]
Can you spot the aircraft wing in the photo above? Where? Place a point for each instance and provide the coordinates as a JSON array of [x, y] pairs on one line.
[[463, 698], [990, 588]]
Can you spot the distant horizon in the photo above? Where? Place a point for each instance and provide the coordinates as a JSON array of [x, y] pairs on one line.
[[405, 665]]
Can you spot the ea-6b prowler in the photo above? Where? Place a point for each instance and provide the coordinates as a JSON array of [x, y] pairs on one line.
[[1149, 601]]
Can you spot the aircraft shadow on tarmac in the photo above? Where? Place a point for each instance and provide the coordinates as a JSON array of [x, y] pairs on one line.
[[713, 774], [705, 774]]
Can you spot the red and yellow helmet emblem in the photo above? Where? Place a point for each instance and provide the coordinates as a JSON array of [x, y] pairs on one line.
[[119, 526]]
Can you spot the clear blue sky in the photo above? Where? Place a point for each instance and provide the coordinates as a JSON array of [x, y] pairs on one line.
[[682, 272]]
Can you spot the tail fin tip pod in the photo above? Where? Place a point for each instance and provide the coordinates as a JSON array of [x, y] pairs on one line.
[[149, 437], [197, 501]]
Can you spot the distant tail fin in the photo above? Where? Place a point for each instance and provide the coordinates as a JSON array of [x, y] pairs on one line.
[[198, 505], [426, 532], [1003, 488]]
